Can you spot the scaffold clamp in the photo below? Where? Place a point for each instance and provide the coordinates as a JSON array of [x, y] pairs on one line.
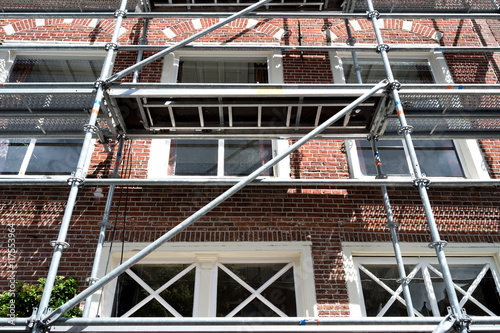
[[392, 224], [55, 243], [394, 85], [120, 12], [407, 128], [373, 13], [100, 83], [403, 280], [381, 47], [91, 280], [104, 224], [440, 243], [424, 181], [75, 180], [111, 46]]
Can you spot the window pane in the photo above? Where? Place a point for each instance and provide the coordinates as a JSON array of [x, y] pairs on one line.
[[55, 70], [231, 293], [52, 157], [193, 157], [487, 294], [180, 295], [374, 72], [375, 296], [12, 152], [242, 157], [437, 158], [222, 71]]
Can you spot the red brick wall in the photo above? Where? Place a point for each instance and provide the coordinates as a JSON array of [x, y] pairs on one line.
[[327, 216]]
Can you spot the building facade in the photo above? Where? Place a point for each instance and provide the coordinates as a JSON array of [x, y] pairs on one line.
[[312, 236]]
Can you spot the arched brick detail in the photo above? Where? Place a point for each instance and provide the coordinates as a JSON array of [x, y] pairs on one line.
[[29, 24], [388, 24], [243, 23]]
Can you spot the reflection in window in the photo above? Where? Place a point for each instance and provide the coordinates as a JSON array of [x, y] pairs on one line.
[[374, 72], [437, 158], [55, 70], [203, 157], [155, 291], [255, 290], [39, 157], [475, 285], [222, 71]]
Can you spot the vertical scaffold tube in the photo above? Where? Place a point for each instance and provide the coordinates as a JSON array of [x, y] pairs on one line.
[[78, 177], [420, 182], [104, 224], [391, 224]]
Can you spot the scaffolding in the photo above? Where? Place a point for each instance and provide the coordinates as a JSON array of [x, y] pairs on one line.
[[386, 109]]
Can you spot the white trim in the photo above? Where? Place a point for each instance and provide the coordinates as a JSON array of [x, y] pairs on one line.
[[383, 252], [206, 255]]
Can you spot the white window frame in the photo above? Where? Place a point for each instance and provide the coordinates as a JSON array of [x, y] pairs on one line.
[[373, 253], [160, 148], [469, 153], [206, 256], [7, 60]]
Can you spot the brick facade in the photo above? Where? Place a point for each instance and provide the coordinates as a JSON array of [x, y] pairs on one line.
[[325, 215]]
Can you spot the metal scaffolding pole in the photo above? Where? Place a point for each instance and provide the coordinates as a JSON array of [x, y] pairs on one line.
[[104, 224], [207, 208], [77, 178], [457, 315], [392, 225], [271, 15]]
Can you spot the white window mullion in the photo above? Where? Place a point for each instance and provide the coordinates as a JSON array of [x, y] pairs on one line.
[[27, 157], [220, 158]]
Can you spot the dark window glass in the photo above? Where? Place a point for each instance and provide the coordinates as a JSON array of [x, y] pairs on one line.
[[12, 153], [52, 157], [193, 157], [437, 158], [179, 295], [222, 71], [230, 293], [242, 157], [55, 70], [374, 72]]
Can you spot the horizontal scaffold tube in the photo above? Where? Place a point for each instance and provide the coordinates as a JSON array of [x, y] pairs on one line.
[[336, 47], [297, 15], [250, 321], [264, 181]]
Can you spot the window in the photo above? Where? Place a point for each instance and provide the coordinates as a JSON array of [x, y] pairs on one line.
[[218, 157], [239, 70], [374, 282], [437, 158], [19, 157], [214, 280], [39, 156]]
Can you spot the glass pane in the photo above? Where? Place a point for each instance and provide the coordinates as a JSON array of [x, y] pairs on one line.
[[193, 157], [280, 293], [374, 295], [55, 70], [12, 152], [419, 295], [180, 295], [374, 72], [222, 71], [487, 294], [391, 153], [241, 157], [52, 157], [437, 158]]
